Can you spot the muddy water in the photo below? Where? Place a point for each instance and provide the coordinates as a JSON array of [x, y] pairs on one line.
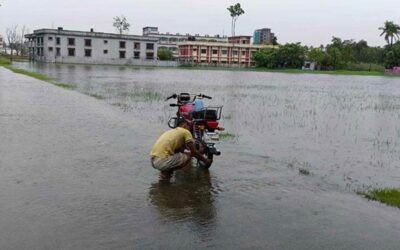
[[343, 129]]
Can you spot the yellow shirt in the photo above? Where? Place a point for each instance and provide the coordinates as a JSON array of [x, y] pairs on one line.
[[171, 142]]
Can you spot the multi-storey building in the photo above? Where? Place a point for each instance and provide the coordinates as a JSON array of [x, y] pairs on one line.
[[263, 36], [171, 41], [236, 52], [66, 46]]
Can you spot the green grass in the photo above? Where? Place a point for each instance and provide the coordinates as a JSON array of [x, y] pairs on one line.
[[7, 65], [64, 85], [292, 71], [226, 136], [4, 61], [144, 95], [28, 73], [97, 96], [304, 171], [388, 196]]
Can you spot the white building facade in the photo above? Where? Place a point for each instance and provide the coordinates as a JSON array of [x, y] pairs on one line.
[[66, 46]]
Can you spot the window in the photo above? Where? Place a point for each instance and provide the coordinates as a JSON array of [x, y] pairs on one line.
[[203, 51], [50, 49], [105, 51], [57, 40], [58, 51], [50, 38], [243, 53], [136, 46], [122, 45], [39, 41], [88, 52], [235, 52], [149, 55], [149, 46], [122, 54], [88, 42], [71, 51], [71, 41], [215, 51], [136, 55], [105, 41], [224, 52]]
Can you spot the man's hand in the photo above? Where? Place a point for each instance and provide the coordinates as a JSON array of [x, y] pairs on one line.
[[208, 162]]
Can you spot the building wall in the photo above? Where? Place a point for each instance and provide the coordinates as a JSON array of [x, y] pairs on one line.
[[218, 54], [103, 49], [172, 41], [263, 36]]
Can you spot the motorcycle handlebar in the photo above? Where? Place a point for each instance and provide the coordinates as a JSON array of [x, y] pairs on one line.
[[206, 96], [172, 96], [176, 96]]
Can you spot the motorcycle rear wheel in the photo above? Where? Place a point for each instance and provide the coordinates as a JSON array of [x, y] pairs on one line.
[[207, 154], [201, 164]]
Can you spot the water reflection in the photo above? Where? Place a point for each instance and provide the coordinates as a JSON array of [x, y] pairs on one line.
[[188, 197]]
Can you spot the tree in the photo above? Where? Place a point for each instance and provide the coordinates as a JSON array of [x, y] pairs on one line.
[[121, 24], [164, 54], [11, 34], [266, 57], [20, 46], [392, 55], [235, 11], [275, 41], [291, 55], [319, 57], [391, 32]]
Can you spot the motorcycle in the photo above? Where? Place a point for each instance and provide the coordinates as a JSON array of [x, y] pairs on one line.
[[203, 121]]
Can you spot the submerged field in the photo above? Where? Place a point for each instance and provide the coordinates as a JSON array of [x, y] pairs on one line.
[[296, 150], [343, 127]]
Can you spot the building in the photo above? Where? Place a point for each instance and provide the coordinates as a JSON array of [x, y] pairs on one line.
[[1, 42], [67, 46], [263, 36], [171, 41], [238, 52]]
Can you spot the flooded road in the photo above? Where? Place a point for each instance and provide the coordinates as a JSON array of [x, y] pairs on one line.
[[76, 172]]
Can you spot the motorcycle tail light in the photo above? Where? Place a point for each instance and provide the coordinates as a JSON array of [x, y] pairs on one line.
[[221, 129], [201, 127]]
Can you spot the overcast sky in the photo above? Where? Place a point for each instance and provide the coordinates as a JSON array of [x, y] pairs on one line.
[[311, 22]]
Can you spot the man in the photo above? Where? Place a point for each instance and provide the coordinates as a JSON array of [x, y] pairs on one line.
[[167, 154]]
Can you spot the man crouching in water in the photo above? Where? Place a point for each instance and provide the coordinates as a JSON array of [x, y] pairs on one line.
[[167, 154]]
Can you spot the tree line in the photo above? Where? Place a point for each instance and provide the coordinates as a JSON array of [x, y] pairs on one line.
[[339, 54]]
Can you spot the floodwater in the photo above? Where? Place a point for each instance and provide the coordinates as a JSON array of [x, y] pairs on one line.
[[344, 130]]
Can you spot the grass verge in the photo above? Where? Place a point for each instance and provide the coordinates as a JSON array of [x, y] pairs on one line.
[[226, 136], [6, 63], [388, 196], [292, 71], [97, 96], [64, 85]]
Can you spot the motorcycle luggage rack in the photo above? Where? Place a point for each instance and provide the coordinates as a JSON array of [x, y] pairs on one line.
[[208, 113]]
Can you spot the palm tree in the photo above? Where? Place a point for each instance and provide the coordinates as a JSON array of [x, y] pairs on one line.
[[391, 31], [235, 11]]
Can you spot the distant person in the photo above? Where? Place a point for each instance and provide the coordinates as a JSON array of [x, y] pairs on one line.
[[167, 154]]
